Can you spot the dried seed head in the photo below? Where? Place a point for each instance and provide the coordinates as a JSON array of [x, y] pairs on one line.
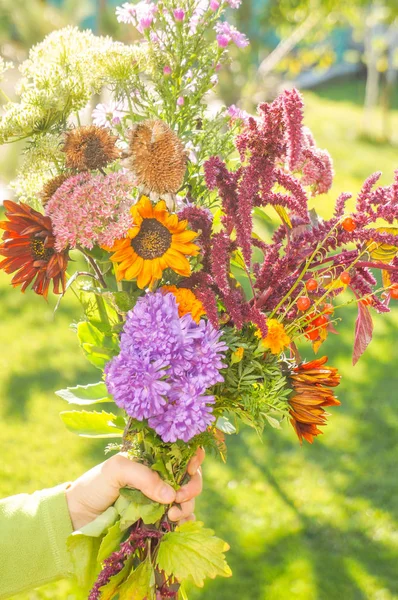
[[89, 148], [157, 157], [51, 187]]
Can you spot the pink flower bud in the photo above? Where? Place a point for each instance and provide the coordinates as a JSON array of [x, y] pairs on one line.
[[180, 101], [214, 5], [179, 14], [166, 70], [222, 40]]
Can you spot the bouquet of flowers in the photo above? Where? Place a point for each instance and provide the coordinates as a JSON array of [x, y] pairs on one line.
[[186, 235]]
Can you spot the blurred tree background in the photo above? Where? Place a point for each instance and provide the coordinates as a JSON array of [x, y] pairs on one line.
[[312, 523]]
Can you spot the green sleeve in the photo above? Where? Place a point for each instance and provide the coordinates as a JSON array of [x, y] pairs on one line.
[[33, 532]]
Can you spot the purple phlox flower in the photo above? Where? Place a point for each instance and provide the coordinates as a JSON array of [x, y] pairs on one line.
[[105, 115], [237, 113], [228, 33], [187, 414]]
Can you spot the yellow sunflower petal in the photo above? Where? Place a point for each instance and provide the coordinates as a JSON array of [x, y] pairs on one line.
[[135, 215], [145, 275], [188, 249], [134, 269], [145, 208], [157, 271], [121, 255], [177, 261], [185, 236], [160, 208]]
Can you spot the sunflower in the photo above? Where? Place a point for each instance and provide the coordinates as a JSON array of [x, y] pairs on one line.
[[28, 248], [187, 302], [89, 147], [311, 383], [156, 241], [157, 157]]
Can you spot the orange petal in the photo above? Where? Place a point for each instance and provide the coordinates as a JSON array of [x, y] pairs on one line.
[[145, 208], [134, 269], [145, 275], [177, 261], [185, 236], [189, 249]]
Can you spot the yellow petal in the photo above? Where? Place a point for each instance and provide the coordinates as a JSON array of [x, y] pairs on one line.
[[190, 249], [185, 236], [145, 275], [135, 268], [145, 208], [177, 261]]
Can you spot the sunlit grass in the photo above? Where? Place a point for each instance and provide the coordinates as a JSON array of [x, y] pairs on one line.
[[313, 523]]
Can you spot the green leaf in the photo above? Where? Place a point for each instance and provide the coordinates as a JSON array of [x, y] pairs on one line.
[[193, 552], [83, 551], [97, 527], [110, 542], [93, 424], [272, 421], [139, 507], [140, 584], [98, 347], [84, 395], [224, 425], [242, 278]]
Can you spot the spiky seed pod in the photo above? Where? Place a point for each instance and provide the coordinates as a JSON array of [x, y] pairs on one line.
[[89, 148], [51, 187], [157, 157]]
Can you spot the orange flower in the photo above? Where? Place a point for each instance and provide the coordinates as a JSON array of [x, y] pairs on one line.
[[311, 383], [276, 339], [156, 241], [187, 302], [28, 248]]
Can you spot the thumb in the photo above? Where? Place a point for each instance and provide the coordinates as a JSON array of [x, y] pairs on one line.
[[128, 473]]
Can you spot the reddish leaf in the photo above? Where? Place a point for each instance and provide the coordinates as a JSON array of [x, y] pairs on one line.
[[363, 332]]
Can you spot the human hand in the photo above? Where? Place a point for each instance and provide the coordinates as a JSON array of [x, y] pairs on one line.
[[92, 493]]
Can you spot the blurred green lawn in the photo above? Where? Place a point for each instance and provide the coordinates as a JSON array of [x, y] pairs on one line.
[[312, 523]]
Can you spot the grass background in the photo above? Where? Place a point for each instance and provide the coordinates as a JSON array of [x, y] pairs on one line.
[[313, 523]]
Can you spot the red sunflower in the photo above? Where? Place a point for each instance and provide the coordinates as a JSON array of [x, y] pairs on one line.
[[28, 247]]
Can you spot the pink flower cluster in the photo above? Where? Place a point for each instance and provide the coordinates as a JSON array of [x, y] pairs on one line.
[[88, 210], [227, 33], [140, 15]]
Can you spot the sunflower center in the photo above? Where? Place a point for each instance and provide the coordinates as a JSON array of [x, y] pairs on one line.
[[153, 240], [39, 251]]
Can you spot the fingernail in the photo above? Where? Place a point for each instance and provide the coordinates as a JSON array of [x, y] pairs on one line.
[[167, 493]]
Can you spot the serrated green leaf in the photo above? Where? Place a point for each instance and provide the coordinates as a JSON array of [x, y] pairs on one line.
[[224, 425], [110, 542], [83, 551], [139, 507], [97, 527], [93, 424], [140, 584], [193, 552], [84, 395]]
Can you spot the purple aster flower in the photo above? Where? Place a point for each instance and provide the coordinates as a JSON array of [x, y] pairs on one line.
[[187, 414], [165, 367], [137, 384], [141, 15], [237, 113]]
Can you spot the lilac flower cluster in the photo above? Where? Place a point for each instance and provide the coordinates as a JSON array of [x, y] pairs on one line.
[[165, 367]]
